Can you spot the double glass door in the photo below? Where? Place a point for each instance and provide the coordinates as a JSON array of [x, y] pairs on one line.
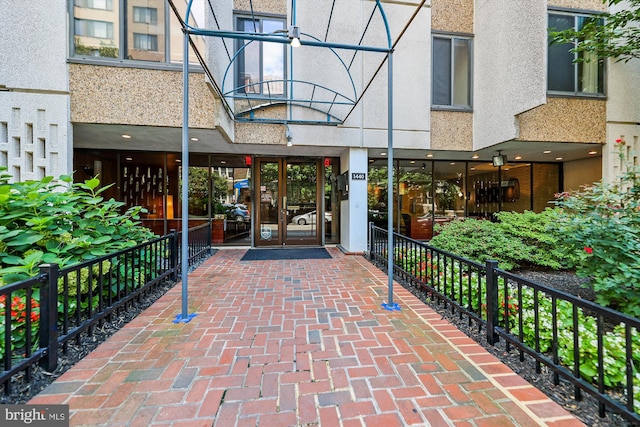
[[289, 192]]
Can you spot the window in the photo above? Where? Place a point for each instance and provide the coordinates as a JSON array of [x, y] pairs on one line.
[[566, 76], [97, 29], [145, 42], [451, 80], [145, 15], [95, 4], [117, 29], [260, 65]]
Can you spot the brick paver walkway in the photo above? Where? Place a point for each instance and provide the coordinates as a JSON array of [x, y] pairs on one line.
[[295, 343]]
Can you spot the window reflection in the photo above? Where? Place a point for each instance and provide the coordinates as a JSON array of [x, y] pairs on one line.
[[150, 26], [260, 67], [95, 28], [145, 31]]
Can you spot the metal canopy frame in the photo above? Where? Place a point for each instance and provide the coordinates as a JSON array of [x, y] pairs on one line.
[[262, 102]]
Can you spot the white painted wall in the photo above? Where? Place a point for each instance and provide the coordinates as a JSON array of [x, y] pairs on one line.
[[353, 212], [510, 69], [623, 113], [35, 132]]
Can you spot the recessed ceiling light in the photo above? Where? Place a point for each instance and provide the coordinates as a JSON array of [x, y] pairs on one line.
[[518, 157], [125, 136], [473, 169], [194, 139], [128, 158], [223, 162], [475, 156], [506, 169], [412, 161], [558, 158], [546, 152], [384, 153], [429, 155], [592, 152], [178, 161], [452, 163]]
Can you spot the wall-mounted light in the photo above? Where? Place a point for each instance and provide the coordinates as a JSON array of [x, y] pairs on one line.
[[288, 135], [499, 160], [294, 35]]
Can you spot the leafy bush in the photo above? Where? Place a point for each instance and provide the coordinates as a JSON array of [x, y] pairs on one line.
[[602, 222], [61, 223], [540, 233], [516, 240]]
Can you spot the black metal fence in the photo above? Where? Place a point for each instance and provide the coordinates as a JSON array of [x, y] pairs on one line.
[[40, 316], [594, 348]]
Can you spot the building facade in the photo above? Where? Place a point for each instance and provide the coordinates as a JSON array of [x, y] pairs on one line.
[[290, 144]]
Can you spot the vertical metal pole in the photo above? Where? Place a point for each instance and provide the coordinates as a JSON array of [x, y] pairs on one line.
[[390, 305], [49, 317], [184, 317], [492, 302]]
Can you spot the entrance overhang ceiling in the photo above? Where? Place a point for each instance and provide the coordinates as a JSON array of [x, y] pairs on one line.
[[320, 95]]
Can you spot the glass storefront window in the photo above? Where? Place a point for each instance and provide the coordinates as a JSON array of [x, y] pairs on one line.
[[436, 192], [416, 198], [331, 202], [546, 184], [377, 192]]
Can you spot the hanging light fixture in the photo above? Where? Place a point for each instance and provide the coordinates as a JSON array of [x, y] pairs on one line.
[[294, 35]]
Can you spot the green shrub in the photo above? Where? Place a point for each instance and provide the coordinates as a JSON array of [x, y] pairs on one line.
[[62, 223], [540, 232], [516, 240], [602, 223]]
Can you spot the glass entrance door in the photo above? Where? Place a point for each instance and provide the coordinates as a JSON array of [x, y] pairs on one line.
[[289, 213]]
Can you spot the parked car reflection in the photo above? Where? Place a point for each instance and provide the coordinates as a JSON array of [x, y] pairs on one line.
[[238, 212], [309, 218]]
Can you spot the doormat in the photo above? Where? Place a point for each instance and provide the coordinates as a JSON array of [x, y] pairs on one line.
[[274, 254]]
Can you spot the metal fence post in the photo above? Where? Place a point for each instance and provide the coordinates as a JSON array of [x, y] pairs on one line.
[[173, 254], [209, 239], [492, 301], [49, 317]]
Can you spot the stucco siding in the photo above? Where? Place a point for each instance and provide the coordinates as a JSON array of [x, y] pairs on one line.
[[452, 15], [33, 45], [451, 130], [111, 95], [595, 5], [565, 120], [510, 66]]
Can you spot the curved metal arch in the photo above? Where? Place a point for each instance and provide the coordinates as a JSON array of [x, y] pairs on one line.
[[309, 40], [188, 29], [331, 119]]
